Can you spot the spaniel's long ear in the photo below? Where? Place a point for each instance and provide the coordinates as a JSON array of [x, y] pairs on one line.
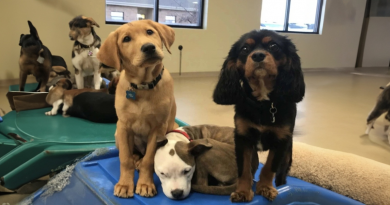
[[109, 52], [228, 90], [290, 84]]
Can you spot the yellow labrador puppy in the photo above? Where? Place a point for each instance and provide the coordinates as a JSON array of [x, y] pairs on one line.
[[144, 99]]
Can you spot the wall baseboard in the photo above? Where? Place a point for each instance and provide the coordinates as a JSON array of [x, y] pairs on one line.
[[31, 79]]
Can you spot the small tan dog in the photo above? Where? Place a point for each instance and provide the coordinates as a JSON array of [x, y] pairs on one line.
[[144, 100], [62, 93]]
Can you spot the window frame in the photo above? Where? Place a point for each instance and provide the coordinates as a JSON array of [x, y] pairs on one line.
[[287, 17], [156, 13]]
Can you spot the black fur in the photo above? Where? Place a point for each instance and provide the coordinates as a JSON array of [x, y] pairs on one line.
[[289, 89], [95, 107]]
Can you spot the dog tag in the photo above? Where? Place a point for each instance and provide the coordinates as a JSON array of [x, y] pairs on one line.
[[90, 53], [40, 59], [130, 94]]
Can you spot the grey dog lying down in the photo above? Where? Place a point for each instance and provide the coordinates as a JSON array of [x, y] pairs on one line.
[[199, 157]]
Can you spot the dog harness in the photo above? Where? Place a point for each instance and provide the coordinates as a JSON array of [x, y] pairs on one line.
[[181, 132], [131, 94]]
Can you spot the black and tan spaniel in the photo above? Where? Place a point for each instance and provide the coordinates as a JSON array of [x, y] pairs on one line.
[[262, 77]]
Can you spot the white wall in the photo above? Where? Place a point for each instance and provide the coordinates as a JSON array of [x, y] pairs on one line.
[[204, 50], [377, 45], [337, 45]]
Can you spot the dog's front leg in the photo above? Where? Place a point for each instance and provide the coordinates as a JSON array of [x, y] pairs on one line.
[[79, 78], [264, 186], [125, 143], [97, 79], [44, 81], [244, 151], [22, 80], [145, 186], [53, 111]]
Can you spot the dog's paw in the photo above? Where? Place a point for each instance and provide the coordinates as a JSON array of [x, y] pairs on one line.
[[240, 196], [124, 190], [65, 115], [268, 192], [145, 189], [50, 113]]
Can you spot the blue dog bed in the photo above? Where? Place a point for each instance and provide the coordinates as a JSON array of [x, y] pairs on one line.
[[93, 180]]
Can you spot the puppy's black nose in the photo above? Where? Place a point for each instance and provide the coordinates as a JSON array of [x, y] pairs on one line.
[[177, 193], [258, 57], [148, 48], [71, 38]]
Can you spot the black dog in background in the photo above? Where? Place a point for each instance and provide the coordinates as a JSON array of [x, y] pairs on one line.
[[96, 106], [262, 77], [36, 59]]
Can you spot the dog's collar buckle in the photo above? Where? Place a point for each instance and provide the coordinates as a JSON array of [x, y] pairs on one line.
[[148, 86]]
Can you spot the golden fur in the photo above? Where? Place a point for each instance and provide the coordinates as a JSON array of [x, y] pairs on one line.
[[142, 121]]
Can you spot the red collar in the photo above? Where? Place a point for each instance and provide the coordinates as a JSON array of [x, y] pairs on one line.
[[183, 133]]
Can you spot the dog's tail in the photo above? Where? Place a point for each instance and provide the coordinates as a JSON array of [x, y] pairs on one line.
[[216, 190]]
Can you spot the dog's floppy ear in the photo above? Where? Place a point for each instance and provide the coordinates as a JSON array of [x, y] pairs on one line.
[[197, 147], [68, 84], [162, 142], [93, 22], [109, 52], [166, 33], [33, 30], [290, 84], [228, 90]]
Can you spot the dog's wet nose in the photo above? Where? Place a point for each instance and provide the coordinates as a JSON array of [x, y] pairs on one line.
[[177, 193], [258, 57], [148, 48], [70, 37]]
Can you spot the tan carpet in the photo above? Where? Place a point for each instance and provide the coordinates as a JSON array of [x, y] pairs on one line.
[[359, 178]]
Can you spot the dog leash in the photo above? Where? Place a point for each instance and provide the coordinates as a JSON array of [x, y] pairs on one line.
[[131, 94]]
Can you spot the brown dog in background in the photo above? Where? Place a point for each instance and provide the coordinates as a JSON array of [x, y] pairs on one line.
[[144, 99], [36, 59]]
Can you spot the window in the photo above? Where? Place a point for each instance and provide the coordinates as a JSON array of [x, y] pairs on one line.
[[298, 16], [117, 16], [175, 13], [140, 16], [170, 19]]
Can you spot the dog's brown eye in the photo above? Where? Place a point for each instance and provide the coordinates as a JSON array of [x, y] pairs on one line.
[[126, 39], [185, 172], [245, 48], [273, 47], [162, 173], [149, 32]]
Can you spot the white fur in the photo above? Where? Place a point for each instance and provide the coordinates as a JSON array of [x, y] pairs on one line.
[[64, 109], [91, 61], [173, 167], [53, 111]]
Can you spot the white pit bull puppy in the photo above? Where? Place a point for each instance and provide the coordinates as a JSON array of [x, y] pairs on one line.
[[205, 149]]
